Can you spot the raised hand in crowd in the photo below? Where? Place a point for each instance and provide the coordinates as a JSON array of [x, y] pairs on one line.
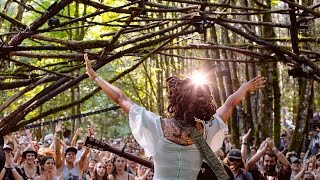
[[145, 175], [78, 131], [244, 144], [246, 136], [58, 127], [270, 143], [91, 130], [28, 133], [75, 137], [23, 143]]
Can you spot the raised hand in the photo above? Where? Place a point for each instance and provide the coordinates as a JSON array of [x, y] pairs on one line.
[[28, 134], [9, 161], [58, 127], [263, 145], [270, 143], [245, 136], [91, 130], [91, 73], [78, 131], [255, 83]]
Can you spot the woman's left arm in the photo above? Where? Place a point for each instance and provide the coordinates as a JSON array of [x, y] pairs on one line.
[[225, 111]]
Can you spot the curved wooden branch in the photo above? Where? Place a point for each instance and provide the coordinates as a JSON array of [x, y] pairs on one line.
[[46, 55], [12, 21], [39, 68], [152, 34], [18, 112], [55, 110], [149, 26], [19, 84], [163, 10], [10, 100]]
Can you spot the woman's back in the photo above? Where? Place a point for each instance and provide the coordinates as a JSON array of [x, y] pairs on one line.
[[171, 160]]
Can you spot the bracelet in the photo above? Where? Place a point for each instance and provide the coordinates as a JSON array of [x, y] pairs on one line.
[[98, 78], [244, 143]]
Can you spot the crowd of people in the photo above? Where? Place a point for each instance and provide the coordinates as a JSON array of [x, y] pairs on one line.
[[56, 158]]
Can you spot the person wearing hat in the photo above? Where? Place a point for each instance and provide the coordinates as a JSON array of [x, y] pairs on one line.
[[67, 166], [295, 166], [80, 149], [291, 155], [236, 164], [9, 171], [30, 169]]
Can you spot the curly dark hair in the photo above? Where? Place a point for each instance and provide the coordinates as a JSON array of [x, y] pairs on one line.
[[188, 101]]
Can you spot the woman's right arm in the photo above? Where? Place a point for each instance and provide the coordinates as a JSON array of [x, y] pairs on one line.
[[111, 91]]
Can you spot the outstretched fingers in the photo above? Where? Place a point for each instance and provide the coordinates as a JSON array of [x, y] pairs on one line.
[[258, 82]]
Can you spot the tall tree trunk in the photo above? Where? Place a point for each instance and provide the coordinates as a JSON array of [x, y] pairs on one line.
[[276, 103], [266, 104], [305, 98]]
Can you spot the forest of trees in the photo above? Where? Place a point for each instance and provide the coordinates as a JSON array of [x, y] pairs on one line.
[[138, 44]]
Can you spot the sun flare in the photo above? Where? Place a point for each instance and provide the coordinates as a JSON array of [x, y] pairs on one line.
[[199, 78]]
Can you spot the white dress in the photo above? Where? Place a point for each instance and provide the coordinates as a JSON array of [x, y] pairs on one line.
[[171, 161]]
